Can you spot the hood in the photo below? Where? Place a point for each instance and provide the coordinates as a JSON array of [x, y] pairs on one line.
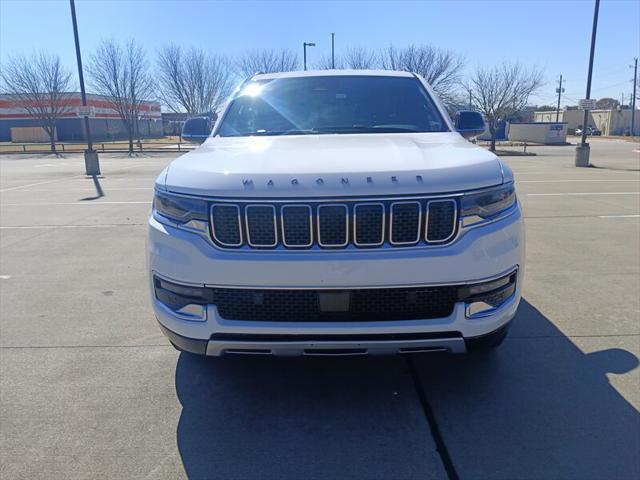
[[333, 165]]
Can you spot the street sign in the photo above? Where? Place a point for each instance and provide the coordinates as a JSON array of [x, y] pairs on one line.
[[587, 104], [85, 111]]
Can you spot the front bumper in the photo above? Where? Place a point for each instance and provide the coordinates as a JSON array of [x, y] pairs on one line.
[[478, 254]]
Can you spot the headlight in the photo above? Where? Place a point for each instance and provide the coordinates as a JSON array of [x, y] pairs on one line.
[[183, 212], [481, 206]]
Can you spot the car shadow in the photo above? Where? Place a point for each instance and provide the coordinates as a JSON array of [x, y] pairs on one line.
[[539, 407]]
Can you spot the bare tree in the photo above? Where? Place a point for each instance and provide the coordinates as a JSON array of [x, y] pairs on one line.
[[266, 61], [325, 63], [120, 74], [502, 91], [360, 58], [441, 68], [356, 58], [40, 85], [192, 81]]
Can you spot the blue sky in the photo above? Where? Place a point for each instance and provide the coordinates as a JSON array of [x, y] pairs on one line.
[[553, 35]]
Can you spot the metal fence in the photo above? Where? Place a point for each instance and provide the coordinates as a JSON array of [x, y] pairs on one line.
[[115, 147]]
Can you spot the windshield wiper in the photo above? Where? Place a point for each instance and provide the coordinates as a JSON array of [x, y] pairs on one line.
[[266, 133], [365, 129], [329, 130]]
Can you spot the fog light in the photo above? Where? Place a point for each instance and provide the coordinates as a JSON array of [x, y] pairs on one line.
[[187, 302], [484, 298], [193, 311]]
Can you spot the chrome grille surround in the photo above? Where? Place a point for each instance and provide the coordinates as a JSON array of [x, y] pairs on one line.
[[290, 230]]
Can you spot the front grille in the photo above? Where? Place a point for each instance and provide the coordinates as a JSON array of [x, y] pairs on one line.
[[361, 224], [379, 304]]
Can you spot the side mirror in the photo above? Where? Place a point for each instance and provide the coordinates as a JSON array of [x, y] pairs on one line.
[[196, 129], [469, 124]]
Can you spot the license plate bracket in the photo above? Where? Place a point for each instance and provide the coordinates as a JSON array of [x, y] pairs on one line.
[[334, 301]]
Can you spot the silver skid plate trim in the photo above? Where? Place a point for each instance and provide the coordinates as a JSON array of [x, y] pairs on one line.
[[350, 347]]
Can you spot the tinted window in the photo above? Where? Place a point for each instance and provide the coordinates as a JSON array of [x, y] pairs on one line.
[[332, 104], [196, 126]]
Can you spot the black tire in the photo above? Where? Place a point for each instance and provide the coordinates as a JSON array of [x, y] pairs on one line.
[[489, 342]]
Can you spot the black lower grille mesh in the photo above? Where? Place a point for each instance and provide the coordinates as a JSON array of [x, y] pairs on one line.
[[380, 304]]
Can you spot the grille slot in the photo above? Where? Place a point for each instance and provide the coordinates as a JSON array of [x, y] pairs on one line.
[[225, 225], [405, 223], [261, 225], [376, 304], [368, 221], [297, 228], [441, 220], [333, 225]]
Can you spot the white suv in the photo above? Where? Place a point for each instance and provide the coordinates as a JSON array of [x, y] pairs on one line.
[[336, 212]]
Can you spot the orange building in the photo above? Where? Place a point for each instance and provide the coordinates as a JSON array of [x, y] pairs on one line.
[[104, 121]]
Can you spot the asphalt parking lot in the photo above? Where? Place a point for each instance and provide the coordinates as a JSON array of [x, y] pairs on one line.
[[89, 387]]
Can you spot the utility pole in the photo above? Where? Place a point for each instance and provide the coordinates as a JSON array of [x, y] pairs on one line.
[[560, 91], [582, 150], [91, 162], [333, 51], [633, 101], [470, 100], [304, 48]]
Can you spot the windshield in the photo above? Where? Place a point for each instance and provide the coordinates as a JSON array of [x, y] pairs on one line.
[[332, 104]]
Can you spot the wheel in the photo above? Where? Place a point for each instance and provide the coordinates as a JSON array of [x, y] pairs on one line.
[[487, 342]]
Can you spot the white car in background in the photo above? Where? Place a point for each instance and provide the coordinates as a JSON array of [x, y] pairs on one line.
[[336, 212]]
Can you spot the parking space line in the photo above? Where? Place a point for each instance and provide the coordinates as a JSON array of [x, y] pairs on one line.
[[53, 227], [38, 183], [123, 169], [618, 216], [72, 203], [88, 189], [434, 428], [576, 180], [571, 194]]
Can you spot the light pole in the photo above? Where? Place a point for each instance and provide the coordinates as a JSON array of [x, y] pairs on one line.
[[582, 150], [560, 91], [633, 101], [333, 51], [91, 162], [304, 48]]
